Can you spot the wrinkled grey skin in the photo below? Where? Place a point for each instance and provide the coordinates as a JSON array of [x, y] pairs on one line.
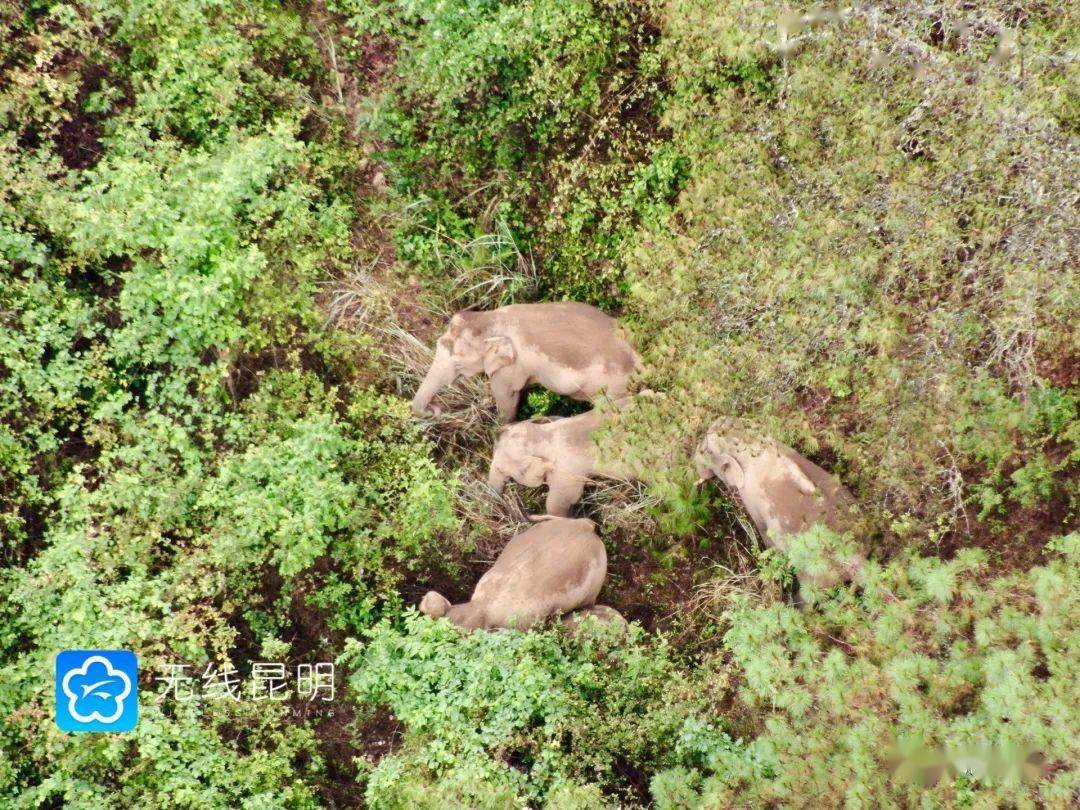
[[783, 492], [570, 348], [557, 452], [555, 567]]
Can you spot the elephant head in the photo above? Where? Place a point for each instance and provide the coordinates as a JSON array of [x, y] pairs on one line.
[[731, 454], [434, 604], [464, 350], [518, 455]]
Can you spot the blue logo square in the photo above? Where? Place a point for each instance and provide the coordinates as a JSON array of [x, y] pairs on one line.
[[97, 690]]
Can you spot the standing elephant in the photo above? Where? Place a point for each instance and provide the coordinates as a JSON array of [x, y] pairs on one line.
[[783, 492], [570, 348], [558, 452], [555, 567]]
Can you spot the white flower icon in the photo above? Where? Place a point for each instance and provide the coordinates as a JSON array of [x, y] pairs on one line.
[[102, 688]]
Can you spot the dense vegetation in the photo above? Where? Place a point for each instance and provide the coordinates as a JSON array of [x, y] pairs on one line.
[[229, 229]]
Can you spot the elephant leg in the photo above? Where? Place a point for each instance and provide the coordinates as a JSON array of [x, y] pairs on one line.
[[507, 392], [564, 491]]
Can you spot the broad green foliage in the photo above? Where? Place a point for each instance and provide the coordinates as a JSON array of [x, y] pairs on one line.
[[515, 717], [192, 214], [170, 472], [855, 228], [181, 761], [41, 403]]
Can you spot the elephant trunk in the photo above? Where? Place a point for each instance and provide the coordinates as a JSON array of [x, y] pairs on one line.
[[496, 478], [434, 604], [441, 374], [702, 468]]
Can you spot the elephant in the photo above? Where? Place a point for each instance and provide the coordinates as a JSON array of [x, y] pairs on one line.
[[555, 451], [570, 348], [783, 492], [554, 567]]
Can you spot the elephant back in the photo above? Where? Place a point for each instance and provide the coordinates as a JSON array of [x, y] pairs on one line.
[[554, 567], [572, 334], [832, 504]]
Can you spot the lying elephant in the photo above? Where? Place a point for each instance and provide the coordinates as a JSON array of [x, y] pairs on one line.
[[555, 451], [784, 493], [570, 348], [555, 567]]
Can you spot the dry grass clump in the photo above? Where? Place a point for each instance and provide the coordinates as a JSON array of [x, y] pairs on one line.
[[621, 506], [403, 326], [492, 518], [467, 419], [392, 314]]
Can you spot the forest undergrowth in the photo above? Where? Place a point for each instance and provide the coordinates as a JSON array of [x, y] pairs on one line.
[[229, 236]]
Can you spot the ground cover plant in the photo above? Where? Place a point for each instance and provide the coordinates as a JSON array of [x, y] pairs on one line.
[[229, 234]]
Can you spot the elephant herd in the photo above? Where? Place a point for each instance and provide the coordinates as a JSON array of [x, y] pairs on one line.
[[558, 566]]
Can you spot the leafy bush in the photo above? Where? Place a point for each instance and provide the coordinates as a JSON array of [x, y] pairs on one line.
[[172, 466], [930, 655], [851, 226], [537, 116], [496, 718]]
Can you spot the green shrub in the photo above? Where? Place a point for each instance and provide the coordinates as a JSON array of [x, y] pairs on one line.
[[930, 655], [175, 457], [540, 117], [522, 717]]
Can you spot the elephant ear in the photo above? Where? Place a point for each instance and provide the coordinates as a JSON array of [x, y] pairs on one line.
[[536, 467], [730, 470], [498, 353]]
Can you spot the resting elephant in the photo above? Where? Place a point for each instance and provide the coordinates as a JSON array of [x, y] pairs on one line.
[[783, 492], [557, 566], [555, 451], [569, 348]]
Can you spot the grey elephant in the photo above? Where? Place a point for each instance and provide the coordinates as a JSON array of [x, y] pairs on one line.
[[570, 348], [555, 567], [783, 492], [558, 452]]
